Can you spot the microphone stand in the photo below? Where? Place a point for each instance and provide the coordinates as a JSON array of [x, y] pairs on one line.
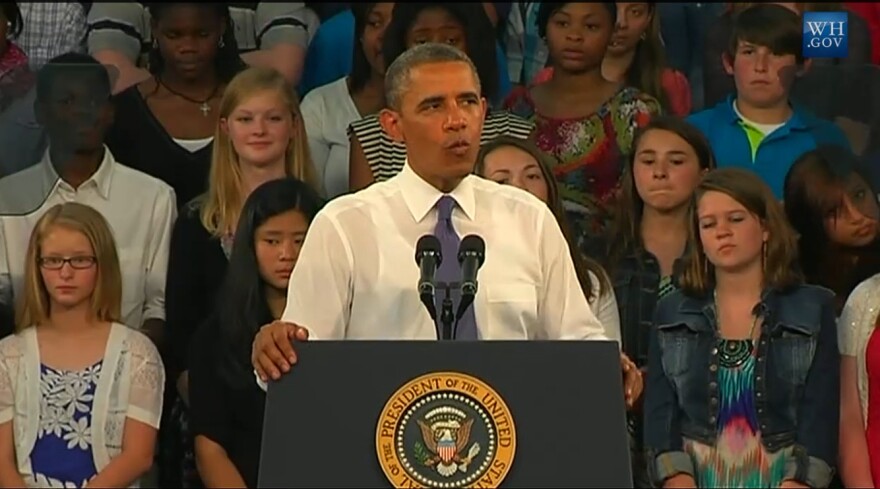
[[447, 317]]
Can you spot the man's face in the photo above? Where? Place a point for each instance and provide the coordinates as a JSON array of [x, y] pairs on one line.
[[76, 113], [440, 120]]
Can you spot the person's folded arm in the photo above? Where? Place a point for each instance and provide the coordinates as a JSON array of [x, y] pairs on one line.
[[284, 30], [817, 435], [117, 32], [662, 424]]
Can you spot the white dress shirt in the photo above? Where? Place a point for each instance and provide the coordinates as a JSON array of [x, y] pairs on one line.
[[356, 276], [327, 111], [139, 208]]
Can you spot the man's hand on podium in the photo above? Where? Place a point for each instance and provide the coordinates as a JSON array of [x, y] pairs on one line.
[[272, 351], [632, 381]]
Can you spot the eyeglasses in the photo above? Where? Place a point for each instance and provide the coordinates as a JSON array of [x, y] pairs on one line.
[[76, 262]]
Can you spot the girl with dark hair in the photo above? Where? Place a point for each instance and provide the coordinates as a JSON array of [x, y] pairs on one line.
[[16, 77], [830, 203], [636, 57], [585, 121], [329, 110], [164, 125], [227, 405], [648, 237], [374, 156], [518, 162]]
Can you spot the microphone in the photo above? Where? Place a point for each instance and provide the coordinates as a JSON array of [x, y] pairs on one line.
[[428, 257], [471, 255]]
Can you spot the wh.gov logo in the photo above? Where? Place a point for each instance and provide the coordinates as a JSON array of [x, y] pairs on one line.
[[825, 34]]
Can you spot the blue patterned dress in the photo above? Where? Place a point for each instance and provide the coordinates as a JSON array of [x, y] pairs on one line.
[[62, 455], [738, 458]]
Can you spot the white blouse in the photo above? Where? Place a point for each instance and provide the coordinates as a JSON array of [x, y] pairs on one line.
[[327, 112], [130, 385], [605, 308], [854, 328]]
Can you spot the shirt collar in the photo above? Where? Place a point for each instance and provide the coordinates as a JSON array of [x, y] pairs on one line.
[[421, 197], [799, 115], [100, 179]]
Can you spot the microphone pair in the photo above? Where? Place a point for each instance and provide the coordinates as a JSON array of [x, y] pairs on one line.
[[471, 254]]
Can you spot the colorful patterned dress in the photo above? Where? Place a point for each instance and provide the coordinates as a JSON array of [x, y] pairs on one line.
[[738, 458], [62, 455], [590, 151]]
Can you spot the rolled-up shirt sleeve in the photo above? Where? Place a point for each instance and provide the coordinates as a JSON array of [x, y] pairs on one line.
[[284, 23], [118, 26], [563, 308], [320, 291]]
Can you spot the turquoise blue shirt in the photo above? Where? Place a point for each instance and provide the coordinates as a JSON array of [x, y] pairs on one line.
[[735, 143]]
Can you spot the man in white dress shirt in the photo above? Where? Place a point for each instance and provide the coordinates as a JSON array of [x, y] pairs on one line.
[[356, 276], [73, 104]]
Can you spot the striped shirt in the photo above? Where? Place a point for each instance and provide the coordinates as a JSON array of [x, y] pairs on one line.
[[386, 156], [125, 26]]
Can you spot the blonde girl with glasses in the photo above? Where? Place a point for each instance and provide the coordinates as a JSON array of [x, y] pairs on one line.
[[80, 393]]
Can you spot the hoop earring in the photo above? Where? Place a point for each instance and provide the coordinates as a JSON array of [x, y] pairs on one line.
[[220, 43]]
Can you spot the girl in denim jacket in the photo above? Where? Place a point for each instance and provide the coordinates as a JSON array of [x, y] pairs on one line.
[[743, 368]]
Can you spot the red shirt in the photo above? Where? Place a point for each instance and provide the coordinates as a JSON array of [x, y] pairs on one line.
[[870, 11]]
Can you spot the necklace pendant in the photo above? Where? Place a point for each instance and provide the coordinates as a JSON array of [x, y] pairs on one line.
[[205, 108]]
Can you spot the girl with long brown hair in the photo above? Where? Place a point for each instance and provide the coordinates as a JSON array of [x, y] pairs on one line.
[[743, 367]]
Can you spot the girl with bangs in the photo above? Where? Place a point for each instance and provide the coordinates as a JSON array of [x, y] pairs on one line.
[[648, 238], [834, 209], [743, 367], [260, 137], [80, 393], [227, 405]]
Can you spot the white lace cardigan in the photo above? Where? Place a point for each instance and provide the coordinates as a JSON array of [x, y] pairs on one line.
[[132, 388], [854, 329]]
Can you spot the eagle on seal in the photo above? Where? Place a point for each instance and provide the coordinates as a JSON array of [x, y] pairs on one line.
[[447, 441]]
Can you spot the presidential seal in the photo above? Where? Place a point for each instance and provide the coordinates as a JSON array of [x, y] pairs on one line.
[[445, 429]]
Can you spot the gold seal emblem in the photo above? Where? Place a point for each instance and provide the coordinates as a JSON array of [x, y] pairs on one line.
[[445, 429]]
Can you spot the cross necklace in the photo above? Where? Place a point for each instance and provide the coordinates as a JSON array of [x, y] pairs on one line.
[[203, 104]]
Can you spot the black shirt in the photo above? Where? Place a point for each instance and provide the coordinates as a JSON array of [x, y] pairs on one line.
[[231, 416]]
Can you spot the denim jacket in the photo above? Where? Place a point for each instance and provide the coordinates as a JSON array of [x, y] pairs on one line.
[[797, 396]]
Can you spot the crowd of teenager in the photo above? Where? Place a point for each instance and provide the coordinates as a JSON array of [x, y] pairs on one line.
[[160, 166]]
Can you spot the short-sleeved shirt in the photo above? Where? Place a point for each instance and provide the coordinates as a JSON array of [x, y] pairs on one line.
[[125, 26]]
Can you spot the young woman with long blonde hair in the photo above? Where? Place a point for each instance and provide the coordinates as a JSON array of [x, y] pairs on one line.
[[260, 137], [80, 393]]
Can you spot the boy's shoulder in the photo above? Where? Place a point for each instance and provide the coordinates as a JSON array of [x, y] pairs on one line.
[[712, 115]]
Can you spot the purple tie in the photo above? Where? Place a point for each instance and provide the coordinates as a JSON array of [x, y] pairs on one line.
[[450, 270]]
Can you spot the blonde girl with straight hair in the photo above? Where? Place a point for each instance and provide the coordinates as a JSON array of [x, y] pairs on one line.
[[80, 393], [260, 137]]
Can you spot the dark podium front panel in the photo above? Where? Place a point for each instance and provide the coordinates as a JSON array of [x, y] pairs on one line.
[[448, 414]]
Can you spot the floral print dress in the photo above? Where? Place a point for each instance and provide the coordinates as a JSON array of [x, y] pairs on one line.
[[62, 455], [590, 151]]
